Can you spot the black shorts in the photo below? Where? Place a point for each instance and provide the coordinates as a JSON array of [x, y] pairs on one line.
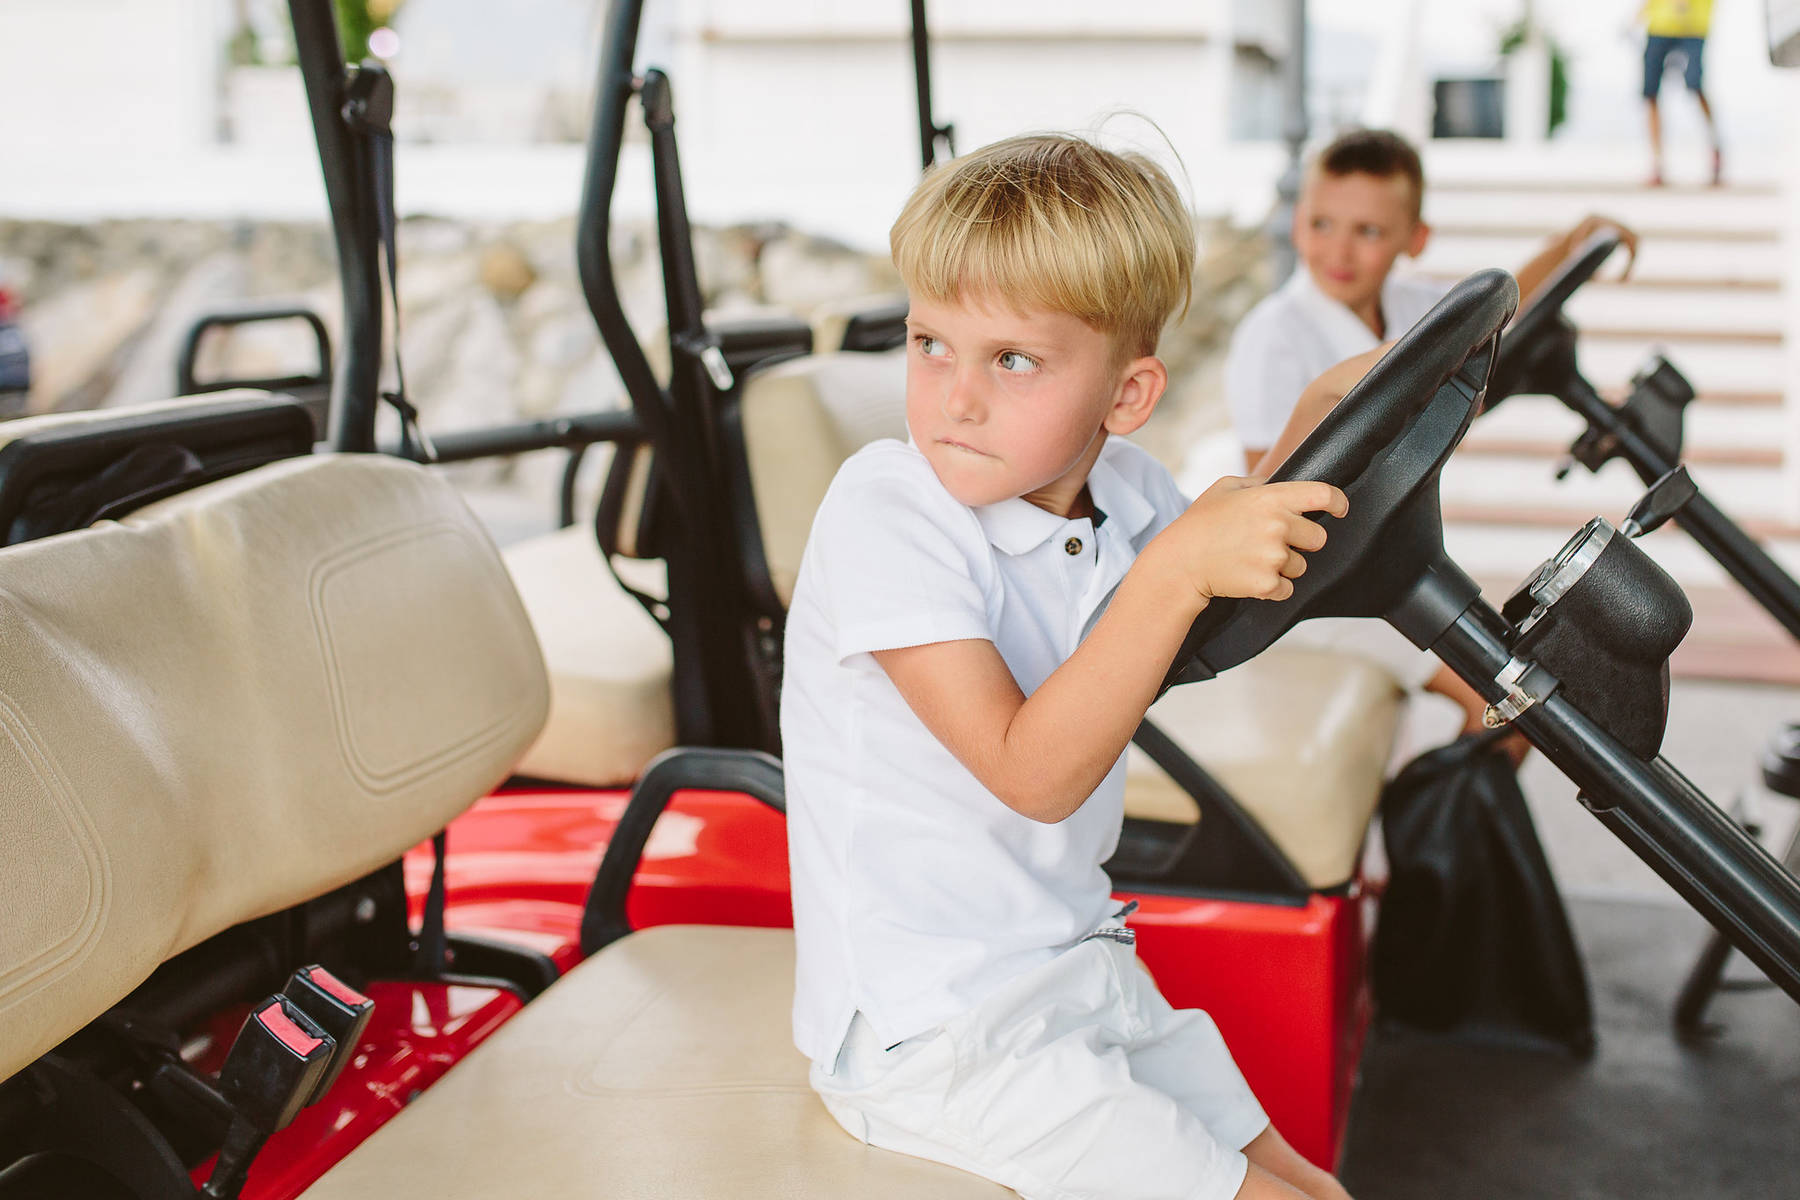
[[1656, 57]]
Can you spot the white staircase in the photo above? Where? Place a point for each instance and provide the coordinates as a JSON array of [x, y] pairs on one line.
[[1707, 294]]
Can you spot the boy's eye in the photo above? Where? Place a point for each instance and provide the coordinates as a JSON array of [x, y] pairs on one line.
[[1372, 232], [1014, 361], [929, 346]]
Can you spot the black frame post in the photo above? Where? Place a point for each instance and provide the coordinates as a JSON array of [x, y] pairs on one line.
[[349, 189], [929, 130]]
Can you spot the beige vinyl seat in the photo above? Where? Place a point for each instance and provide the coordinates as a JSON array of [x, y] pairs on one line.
[[234, 700], [1301, 738], [241, 697], [661, 1067]]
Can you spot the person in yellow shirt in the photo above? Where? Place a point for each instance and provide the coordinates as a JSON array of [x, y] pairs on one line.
[[1679, 28]]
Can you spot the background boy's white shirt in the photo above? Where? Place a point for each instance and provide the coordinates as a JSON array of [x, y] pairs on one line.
[[1295, 335], [1289, 339], [917, 891]]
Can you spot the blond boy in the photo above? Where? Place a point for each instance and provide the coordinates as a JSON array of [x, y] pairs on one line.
[[982, 617]]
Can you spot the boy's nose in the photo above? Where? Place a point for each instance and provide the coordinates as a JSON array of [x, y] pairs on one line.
[[962, 400]]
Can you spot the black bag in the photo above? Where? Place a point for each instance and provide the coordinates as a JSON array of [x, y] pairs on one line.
[[1472, 935]]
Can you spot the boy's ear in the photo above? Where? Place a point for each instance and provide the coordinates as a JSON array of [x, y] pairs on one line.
[[1421, 234], [1140, 386]]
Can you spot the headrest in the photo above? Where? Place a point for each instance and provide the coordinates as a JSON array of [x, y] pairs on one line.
[[801, 420], [61, 471], [234, 700]]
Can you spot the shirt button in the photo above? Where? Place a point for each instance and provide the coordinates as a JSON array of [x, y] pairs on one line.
[[1072, 547]]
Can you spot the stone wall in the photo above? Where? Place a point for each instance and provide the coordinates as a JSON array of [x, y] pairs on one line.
[[493, 326]]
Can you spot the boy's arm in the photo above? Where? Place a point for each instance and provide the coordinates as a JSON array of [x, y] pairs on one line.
[[1044, 755], [1319, 397], [1533, 274]]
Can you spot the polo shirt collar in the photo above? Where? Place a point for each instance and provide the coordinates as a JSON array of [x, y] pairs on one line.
[[1343, 329], [1018, 526]]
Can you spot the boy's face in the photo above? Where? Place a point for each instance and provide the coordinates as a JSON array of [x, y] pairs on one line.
[[1349, 229], [1006, 404]]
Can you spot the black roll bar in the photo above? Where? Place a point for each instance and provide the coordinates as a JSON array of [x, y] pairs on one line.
[[929, 130], [613, 90], [603, 919], [619, 426], [714, 684], [349, 190]]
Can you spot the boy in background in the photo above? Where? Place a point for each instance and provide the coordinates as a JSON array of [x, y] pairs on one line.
[[1679, 28], [1359, 211]]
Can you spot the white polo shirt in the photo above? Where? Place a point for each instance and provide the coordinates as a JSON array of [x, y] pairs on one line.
[[1295, 335], [916, 890]]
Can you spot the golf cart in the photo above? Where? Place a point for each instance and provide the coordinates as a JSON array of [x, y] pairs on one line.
[[712, 488], [228, 708]]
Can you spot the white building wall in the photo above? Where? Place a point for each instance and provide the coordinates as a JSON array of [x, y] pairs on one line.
[[806, 112], [135, 79]]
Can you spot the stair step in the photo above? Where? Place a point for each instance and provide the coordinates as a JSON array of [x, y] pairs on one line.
[[1624, 308], [1637, 285], [1552, 519], [1712, 366], [1690, 213], [1710, 429], [1495, 487], [1553, 450], [1670, 334], [1500, 228], [1706, 307], [1665, 262], [1490, 548], [1598, 187]]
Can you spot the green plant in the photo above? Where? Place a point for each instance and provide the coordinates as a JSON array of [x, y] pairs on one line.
[[357, 19], [1512, 38]]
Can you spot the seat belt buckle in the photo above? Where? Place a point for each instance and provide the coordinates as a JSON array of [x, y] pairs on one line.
[[274, 1067], [335, 1007], [271, 1072]]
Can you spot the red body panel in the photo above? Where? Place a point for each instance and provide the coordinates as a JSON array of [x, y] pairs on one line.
[[1284, 982]]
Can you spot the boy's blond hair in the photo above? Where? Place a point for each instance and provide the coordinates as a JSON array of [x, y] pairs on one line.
[[1052, 221]]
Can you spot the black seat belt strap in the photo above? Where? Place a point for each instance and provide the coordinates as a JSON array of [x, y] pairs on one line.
[[433, 953], [370, 109]]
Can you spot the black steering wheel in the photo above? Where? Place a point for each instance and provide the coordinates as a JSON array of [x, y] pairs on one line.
[[1384, 445], [1538, 348]]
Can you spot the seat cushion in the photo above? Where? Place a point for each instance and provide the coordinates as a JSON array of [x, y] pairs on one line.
[[662, 1067], [611, 709], [1301, 738], [230, 702]]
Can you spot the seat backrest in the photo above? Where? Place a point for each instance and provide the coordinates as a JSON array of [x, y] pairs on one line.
[[800, 420], [231, 701], [60, 471]]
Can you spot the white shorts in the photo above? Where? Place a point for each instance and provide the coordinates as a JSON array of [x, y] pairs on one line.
[[1076, 1079]]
